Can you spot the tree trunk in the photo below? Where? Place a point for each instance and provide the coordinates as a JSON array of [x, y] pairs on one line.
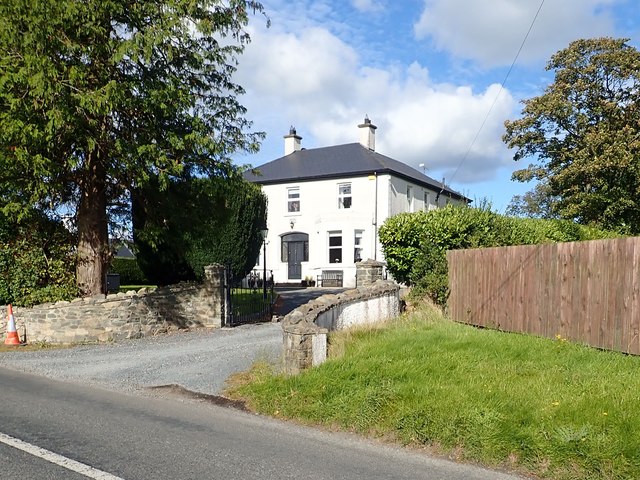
[[93, 237]]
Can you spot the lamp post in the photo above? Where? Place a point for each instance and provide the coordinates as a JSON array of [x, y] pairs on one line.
[[264, 232]]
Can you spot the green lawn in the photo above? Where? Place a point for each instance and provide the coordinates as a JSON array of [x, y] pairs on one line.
[[248, 300], [543, 407]]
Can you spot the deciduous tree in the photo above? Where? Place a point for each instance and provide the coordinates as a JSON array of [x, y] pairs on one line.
[[98, 97], [537, 203], [584, 134]]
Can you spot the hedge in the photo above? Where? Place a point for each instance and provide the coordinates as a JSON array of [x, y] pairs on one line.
[[129, 270]]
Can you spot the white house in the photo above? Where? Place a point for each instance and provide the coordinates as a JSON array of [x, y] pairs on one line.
[[326, 204]]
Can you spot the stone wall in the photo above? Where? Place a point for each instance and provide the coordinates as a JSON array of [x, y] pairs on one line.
[[305, 328], [127, 315]]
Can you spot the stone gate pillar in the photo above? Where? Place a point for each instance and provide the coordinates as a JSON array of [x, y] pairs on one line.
[[214, 290], [368, 272]]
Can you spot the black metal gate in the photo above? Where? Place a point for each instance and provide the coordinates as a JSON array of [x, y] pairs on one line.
[[248, 300]]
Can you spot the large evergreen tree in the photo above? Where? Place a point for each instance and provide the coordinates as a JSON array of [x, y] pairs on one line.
[[98, 97], [191, 224], [584, 132]]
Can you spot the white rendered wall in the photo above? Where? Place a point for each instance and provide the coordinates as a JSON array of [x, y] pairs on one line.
[[364, 312], [318, 215]]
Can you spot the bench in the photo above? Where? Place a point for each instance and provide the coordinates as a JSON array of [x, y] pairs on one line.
[[330, 278]]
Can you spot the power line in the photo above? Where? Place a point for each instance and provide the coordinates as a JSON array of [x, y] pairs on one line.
[[495, 100]]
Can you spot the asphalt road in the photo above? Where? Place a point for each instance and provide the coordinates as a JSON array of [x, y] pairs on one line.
[[133, 437]]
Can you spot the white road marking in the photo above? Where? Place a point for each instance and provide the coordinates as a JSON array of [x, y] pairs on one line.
[[51, 457]]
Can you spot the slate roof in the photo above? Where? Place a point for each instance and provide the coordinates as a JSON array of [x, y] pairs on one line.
[[340, 161]]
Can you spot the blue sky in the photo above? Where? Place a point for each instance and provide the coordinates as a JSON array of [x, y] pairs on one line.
[[426, 72]]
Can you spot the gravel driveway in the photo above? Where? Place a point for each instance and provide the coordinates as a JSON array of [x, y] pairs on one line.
[[199, 360]]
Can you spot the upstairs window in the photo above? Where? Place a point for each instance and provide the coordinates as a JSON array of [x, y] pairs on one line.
[[357, 246], [409, 198], [335, 247], [344, 195], [293, 199]]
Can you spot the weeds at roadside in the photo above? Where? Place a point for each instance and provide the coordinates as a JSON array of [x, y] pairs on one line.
[[33, 347]]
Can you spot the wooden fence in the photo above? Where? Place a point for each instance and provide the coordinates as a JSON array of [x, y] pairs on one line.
[[586, 292]]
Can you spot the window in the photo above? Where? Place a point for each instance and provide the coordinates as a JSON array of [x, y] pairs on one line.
[[293, 199], [344, 195], [427, 201], [335, 247], [357, 246], [409, 198]]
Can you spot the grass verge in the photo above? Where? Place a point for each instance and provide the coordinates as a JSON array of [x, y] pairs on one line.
[[547, 408]]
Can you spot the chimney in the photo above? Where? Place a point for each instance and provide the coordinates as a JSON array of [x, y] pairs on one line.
[[368, 134], [291, 142]]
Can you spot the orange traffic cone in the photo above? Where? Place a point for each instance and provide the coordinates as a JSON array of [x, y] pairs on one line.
[[12, 333]]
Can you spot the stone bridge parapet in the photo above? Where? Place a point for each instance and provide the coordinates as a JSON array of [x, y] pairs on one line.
[[305, 328]]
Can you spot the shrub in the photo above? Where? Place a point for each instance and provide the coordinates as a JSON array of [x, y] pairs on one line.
[[401, 237], [197, 222], [129, 271], [237, 239], [430, 274], [36, 261]]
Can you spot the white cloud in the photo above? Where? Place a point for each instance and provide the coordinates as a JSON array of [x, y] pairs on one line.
[[440, 126], [315, 81], [298, 67], [490, 33]]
